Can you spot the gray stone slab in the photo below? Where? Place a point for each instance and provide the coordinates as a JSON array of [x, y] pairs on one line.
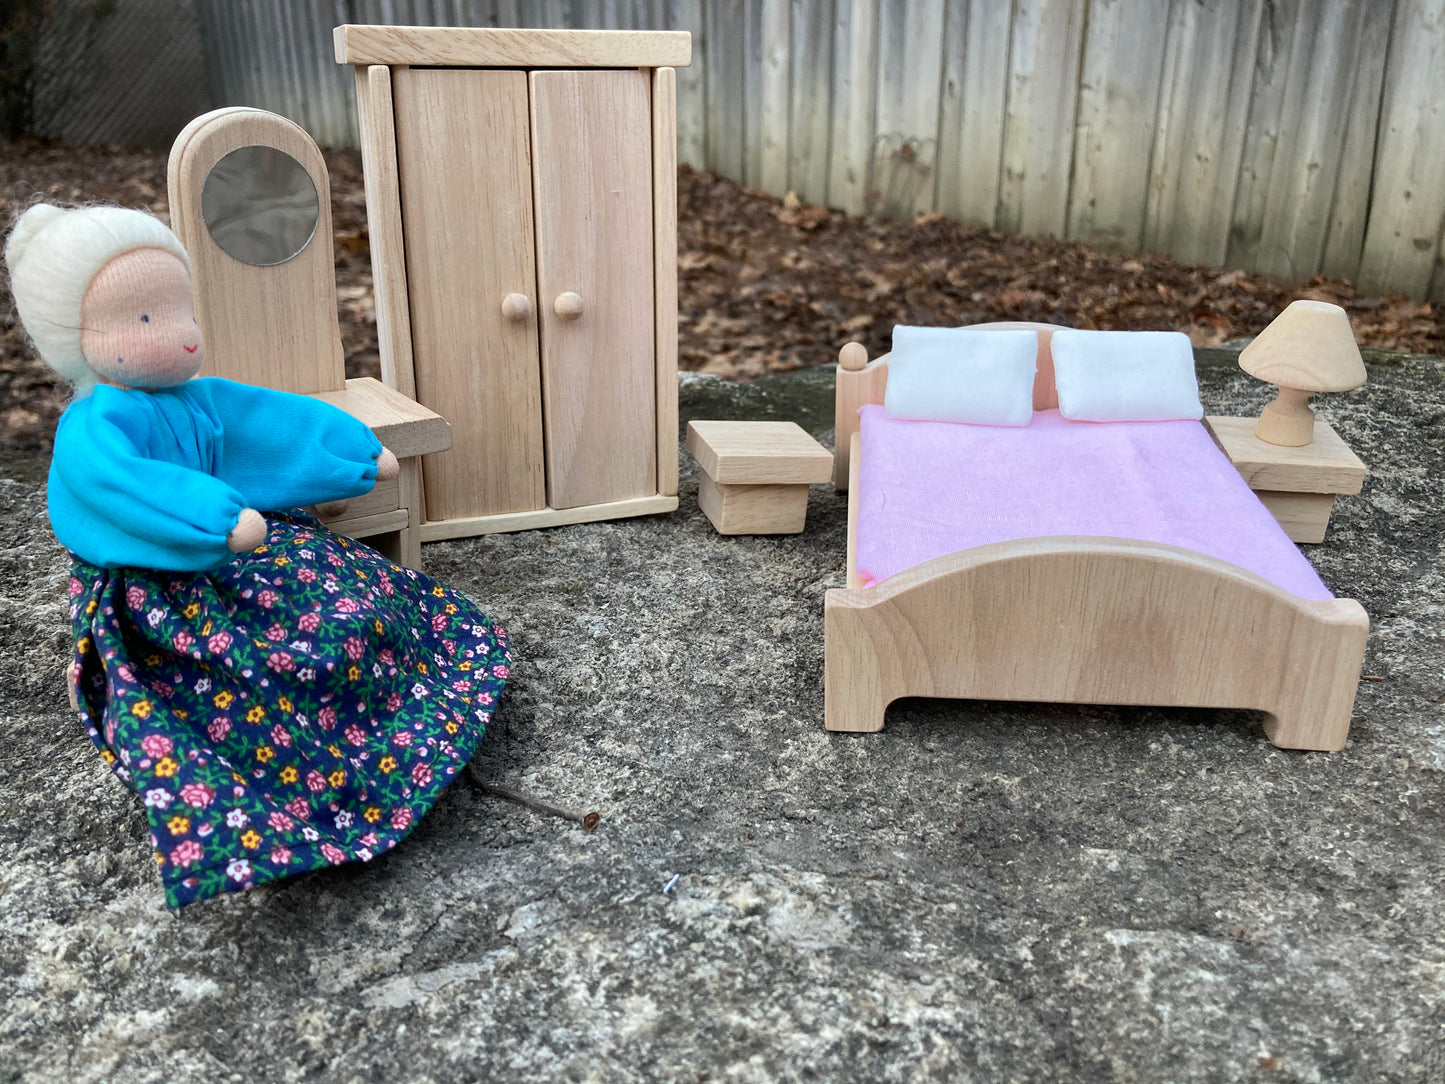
[[982, 891]]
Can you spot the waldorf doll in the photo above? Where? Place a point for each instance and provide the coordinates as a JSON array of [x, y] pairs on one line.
[[281, 698]]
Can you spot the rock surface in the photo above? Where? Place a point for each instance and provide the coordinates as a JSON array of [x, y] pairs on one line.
[[989, 892]]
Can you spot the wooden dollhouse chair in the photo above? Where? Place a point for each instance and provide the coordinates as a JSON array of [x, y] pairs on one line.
[[250, 200]]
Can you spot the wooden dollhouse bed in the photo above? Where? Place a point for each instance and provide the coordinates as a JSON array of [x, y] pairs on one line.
[[1096, 563]]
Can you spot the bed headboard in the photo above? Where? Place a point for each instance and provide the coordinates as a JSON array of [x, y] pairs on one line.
[[861, 381]]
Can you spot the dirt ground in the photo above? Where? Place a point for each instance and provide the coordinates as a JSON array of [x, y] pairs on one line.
[[766, 285]]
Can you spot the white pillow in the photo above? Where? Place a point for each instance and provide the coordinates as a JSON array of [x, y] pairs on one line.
[[944, 374], [1125, 376]]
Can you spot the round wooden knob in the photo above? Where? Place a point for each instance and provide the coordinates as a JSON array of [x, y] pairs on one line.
[[568, 305], [332, 509], [516, 307], [853, 356]]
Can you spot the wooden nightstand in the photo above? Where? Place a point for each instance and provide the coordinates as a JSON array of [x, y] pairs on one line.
[[1298, 485], [755, 475]]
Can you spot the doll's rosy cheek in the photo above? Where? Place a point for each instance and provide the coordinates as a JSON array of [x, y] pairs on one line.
[[131, 350], [148, 352]]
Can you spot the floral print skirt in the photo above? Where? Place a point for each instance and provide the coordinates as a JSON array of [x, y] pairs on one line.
[[301, 707]]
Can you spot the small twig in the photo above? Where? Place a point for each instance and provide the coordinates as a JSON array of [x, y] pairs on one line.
[[588, 820]]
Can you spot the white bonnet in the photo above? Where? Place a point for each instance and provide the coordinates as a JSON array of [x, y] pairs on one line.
[[53, 253]]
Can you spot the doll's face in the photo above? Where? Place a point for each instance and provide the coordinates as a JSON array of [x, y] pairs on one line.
[[138, 326]]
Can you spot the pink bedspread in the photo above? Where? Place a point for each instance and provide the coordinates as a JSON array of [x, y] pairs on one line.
[[926, 489]]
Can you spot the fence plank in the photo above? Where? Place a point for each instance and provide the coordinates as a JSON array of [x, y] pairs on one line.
[[949, 181], [854, 45], [725, 83], [691, 84], [1118, 103], [910, 63], [776, 105], [972, 111], [649, 14], [1199, 139], [752, 92], [501, 13], [1281, 72], [1307, 160], [812, 76], [1039, 127], [1402, 240], [1350, 211], [552, 13]]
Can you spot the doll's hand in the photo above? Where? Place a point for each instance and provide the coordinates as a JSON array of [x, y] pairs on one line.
[[387, 467], [248, 533]]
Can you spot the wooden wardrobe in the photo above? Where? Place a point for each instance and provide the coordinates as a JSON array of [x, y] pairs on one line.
[[522, 205]]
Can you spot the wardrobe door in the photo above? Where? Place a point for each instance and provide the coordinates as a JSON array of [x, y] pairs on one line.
[[466, 199], [592, 168]]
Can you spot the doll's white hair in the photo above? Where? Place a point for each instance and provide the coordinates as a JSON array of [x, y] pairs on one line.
[[53, 253]]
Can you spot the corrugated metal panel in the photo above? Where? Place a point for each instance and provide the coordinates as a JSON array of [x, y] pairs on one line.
[[1288, 135], [130, 72], [277, 54]]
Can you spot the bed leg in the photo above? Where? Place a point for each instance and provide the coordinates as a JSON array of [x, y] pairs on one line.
[[1314, 712], [1306, 729], [855, 692], [851, 710]]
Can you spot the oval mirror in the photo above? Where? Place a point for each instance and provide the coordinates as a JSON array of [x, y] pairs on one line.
[[260, 205]]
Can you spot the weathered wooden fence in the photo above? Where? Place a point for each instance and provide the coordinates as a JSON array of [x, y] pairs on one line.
[[1290, 136]]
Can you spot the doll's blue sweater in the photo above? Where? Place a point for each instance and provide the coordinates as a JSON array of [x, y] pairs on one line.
[[156, 479]]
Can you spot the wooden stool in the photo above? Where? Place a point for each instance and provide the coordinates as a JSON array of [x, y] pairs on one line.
[[1297, 484], [755, 475]]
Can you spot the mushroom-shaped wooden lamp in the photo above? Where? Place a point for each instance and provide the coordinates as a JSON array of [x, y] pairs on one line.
[[1307, 348]]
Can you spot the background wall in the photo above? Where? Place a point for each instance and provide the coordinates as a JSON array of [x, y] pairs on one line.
[[110, 71], [1288, 136]]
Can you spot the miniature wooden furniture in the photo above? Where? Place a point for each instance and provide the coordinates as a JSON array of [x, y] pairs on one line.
[[1080, 620], [755, 475], [521, 197], [1307, 348], [249, 178], [1297, 484]]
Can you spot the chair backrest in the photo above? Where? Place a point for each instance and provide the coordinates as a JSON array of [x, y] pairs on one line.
[[269, 318]]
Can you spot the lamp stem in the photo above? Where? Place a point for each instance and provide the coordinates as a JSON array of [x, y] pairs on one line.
[[1287, 421]]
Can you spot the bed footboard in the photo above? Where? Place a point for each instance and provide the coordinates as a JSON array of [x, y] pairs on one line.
[[1095, 621]]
